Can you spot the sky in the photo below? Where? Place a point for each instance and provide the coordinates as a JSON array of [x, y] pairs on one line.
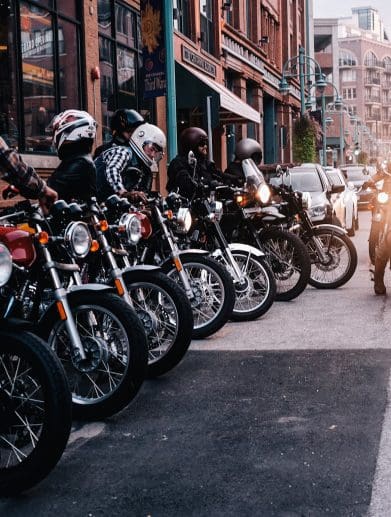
[[339, 8]]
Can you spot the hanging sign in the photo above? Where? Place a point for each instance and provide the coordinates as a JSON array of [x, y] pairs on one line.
[[153, 50]]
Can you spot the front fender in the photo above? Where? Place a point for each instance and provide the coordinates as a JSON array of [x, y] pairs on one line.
[[336, 229], [238, 246], [167, 263], [89, 288], [140, 267]]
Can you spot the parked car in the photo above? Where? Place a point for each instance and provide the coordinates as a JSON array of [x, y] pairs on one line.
[[358, 174], [311, 178], [345, 203]]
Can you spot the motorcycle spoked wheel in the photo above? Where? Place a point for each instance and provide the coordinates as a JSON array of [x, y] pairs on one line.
[[256, 295], [289, 260], [166, 314], [35, 411], [116, 347], [342, 260], [214, 293]]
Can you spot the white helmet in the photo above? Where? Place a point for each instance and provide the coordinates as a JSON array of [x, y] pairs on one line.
[[144, 135], [72, 126]]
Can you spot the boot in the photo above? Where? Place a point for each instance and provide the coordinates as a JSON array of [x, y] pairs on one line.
[[380, 266]]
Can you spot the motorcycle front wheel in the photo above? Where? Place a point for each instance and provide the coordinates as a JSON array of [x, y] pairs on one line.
[[166, 315], [213, 293], [256, 293], [116, 348], [289, 260], [35, 411], [340, 263]]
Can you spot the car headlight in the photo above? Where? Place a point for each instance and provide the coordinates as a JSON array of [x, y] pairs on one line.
[[184, 219], [5, 265], [263, 193], [130, 224], [382, 197], [317, 211], [78, 238]]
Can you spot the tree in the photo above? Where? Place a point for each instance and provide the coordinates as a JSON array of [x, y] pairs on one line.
[[304, 138]]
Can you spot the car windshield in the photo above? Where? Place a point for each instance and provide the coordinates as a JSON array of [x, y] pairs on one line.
[[354, 174], [304, 181]]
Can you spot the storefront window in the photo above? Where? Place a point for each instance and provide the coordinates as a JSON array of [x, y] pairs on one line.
[[119, 57]]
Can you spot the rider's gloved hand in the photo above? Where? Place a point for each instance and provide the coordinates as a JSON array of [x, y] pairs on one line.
[[135, 196]]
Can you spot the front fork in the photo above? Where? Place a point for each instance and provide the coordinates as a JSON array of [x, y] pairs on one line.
[[227, 255]]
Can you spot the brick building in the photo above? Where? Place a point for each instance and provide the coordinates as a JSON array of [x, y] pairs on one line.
[[60, 54]]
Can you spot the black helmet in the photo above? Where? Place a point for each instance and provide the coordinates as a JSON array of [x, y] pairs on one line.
[[191, 138], [125, 120], [249, 148]]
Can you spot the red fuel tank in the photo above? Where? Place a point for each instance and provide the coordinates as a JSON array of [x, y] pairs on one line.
[[20, 245]]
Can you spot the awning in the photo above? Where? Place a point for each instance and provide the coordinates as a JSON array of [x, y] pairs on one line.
[[231, 107]]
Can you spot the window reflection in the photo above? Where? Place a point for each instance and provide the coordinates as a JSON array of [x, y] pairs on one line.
[[68, 47]]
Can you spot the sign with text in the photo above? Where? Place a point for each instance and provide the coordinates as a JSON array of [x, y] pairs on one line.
[[198, 61], [153, 51]]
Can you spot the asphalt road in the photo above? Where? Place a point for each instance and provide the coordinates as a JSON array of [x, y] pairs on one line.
[[286, 416]]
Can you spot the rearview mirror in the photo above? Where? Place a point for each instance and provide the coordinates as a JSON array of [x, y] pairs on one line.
[[337, 189]]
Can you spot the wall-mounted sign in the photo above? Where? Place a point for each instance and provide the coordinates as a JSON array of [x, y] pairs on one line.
[[198, 61], [154, 55]]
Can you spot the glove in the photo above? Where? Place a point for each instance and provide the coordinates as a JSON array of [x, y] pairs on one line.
[[135, 196]]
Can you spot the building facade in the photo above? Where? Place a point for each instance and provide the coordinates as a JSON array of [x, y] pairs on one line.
[[60, 54]]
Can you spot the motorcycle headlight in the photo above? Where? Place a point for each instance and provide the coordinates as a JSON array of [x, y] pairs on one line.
[[5, 265], [382, 197], [184, 219], [78, 238], [263, 193], [218, 209], [306, 200], [131, 226]]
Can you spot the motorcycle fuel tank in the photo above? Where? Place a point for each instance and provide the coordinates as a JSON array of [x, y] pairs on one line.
[[20, 245]]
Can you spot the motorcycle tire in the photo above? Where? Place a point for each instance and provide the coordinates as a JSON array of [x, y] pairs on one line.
[[335, 243], [220, 310], [158, 300], [374, 239], [251, 312], [27, 363], [287, 256], [116, 364]]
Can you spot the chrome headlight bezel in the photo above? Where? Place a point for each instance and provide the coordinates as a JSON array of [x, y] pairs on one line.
[[5, 265], [383, 198], [184, 220], [82, 248], [130, 224]]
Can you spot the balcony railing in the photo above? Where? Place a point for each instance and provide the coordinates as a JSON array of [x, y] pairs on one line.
[[372, 80], [372, 99]]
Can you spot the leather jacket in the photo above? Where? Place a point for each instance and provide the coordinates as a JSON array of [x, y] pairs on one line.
[[75, 178]]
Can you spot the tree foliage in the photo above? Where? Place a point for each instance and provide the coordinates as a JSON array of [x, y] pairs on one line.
[[304, 140]]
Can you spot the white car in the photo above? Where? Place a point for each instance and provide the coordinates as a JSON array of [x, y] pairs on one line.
[[345, 204]]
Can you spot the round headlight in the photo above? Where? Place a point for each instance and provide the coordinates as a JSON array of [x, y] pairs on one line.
[[382, 197], [5, 265], [131, 225], [184, 219], [79, 239], [263, 193]]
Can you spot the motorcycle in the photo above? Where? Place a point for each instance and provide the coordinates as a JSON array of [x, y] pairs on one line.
[[97, 337], [246, 220], [206, 283], [159, 302], [35, 400], [332, 253], [380, 206]]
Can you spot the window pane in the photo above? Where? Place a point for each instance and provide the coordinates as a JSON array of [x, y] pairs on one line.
[[106, 85], [69, 65], [38, 76], [104, 17], [9, 129], [68, 8], [126, 72], [124, 26]]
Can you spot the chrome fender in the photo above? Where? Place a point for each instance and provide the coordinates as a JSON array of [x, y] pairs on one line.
[[238, 246], [336, 229]]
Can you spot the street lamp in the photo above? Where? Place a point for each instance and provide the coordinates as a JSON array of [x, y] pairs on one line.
[[290, 70]]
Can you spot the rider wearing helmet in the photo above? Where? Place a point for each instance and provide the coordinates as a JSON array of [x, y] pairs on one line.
[[124, 167], [184, 172], [74, 132], [245, 148]]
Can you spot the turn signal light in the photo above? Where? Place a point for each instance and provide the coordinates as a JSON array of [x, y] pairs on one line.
[[177, 264], [43, 237], [169, 214], [119, 286], [103, 225], [94, 246], [61, 310]]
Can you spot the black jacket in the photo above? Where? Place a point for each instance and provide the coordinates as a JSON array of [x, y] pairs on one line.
[[180, 175], [234, 174], [75, 178]]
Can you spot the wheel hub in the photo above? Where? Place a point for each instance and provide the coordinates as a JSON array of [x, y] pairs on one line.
[[243, 286], [198, 295], [96, 351], [149, 321], [332, 261]]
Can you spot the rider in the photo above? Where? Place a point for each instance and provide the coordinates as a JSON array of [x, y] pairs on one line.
[[245, 148], [74, 132], [15, 171], [383, 251], [124, 167], [184, 170]]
